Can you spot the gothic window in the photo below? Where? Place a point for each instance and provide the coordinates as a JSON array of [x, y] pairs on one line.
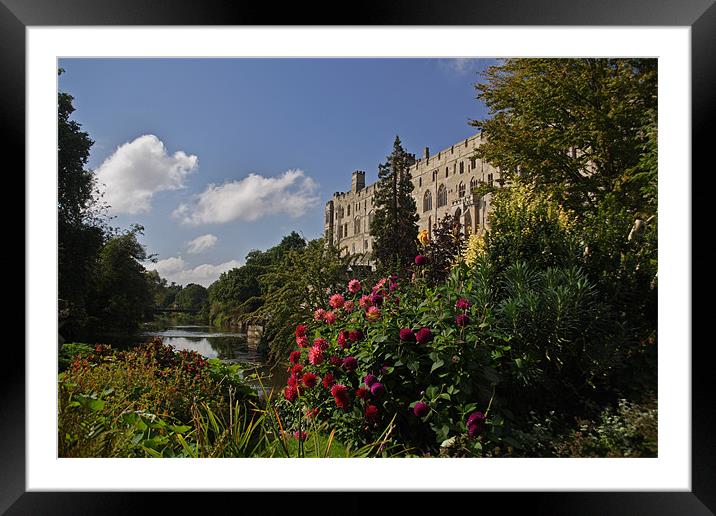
[[427, 201], [473, 183], [446, 171], [468, 223], [348, 213], [462, 167], [340, 231], [461, 189], [474, 163], [420, 182], [356, 226], [489, 179], [442, 196]]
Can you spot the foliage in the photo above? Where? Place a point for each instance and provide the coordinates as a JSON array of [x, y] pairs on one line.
[[629, 431], [443, 250], [573, 127], [192, 297], [394, 227], [70, 350], [80, 224], [238, 293], [294, 286], [119, 297]]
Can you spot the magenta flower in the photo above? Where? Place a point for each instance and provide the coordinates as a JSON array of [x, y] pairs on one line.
[[476, 423], [462, 304], [420, 260], [290, 393], [354, 286], [406, 334], [294, 357], [377, 389], [371, 413], [372, 314], [365, 302], [328, 380], [320, 344], [318, 314], [461, 320], [349, 306], [334, 360], [355, 335], [336, 301], [350, 363], [340, 395], [302, 341], [315, 356], [310, 380], [369, 380], [423, 335], [300, 330], [377, 299], [421, 409], [329, 317], [342, 339]]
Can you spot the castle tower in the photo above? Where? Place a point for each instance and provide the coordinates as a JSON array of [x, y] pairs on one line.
[[358, 181]]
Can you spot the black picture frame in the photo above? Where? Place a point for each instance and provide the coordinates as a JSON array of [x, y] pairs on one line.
[[699, 15]]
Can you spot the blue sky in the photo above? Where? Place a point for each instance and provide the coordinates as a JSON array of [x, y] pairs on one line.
[[215, 157]]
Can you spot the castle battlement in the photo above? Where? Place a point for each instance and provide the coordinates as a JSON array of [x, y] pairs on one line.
[[442, 185]]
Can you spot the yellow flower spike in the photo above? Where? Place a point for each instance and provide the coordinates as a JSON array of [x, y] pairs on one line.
[[423, 237]]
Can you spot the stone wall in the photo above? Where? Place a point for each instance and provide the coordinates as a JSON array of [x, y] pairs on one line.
[[442, 185]]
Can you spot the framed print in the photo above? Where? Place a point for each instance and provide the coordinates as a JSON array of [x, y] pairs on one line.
[[100, 41]]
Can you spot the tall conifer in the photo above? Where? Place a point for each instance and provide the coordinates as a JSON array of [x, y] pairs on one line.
[[395, 222]]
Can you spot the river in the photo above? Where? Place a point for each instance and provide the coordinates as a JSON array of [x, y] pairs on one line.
[[225, 345]]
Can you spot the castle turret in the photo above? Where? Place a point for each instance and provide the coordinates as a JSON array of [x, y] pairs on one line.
[[358, 181]]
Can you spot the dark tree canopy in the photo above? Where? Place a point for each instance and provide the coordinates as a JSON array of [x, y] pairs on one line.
[[394, 226], [573, 127]]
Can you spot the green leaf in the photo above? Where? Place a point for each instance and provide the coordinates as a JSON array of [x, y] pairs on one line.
[[437, 364]]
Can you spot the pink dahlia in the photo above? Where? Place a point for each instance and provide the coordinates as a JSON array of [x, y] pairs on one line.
[[376, 299], [369, 380], [377, 389], [355, 335], [320, 344], [294, 357], [349, 306], [315, 356], [328, 380], [462, 304], [318, 314], [302, 341], [342, 339], [300, 330], [372, 314], [423, 335], [365, 302], [476, 423], [334, 360], [336, 301], [341, 396], [406, 334], [329, 317], [362, 393], [461, 320], [354, 286], [297, 370], [421, 409], [350, 363], [310, 380], [371, 413], [290, 393]]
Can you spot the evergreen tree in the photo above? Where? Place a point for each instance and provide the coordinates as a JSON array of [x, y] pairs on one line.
[[395, 221]]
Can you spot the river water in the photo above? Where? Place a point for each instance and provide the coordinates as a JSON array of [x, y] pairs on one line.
[[225, 345]]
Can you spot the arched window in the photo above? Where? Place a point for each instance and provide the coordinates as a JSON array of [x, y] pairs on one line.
[[468, 223], [461, 189], [427, 201], [442, 196], [356, 226], [473, 183]]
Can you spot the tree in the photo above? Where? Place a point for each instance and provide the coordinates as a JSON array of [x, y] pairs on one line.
[[120, 295], [81, 228], [394, 225], [573, 127], [191, 297]]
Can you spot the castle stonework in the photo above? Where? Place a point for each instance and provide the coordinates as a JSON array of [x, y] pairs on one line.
[[442, 185]]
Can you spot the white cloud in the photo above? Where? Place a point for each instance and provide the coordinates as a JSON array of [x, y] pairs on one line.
[[251, 198], [464, 65], [139, 169], [201, 244], [175, 270]]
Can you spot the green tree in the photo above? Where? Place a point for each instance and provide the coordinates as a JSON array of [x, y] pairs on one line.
[[395, 221], [192, 297], [573, 127], [120, 296], [81, 227]]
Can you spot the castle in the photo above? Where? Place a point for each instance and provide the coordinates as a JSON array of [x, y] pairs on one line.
[[443, 184]]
